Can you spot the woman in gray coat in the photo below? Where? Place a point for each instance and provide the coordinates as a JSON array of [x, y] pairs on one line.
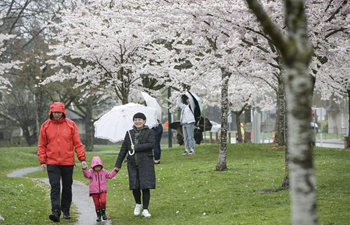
[[140, 162]]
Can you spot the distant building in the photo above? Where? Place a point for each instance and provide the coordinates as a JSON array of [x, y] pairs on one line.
[[9, 134], [338, 118]]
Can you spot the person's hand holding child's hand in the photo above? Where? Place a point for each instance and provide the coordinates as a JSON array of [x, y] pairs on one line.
[[43, 166], [84, 165]]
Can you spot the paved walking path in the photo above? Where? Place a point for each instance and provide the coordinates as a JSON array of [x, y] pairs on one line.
[[81, 199], [330, 143], [326, 143]]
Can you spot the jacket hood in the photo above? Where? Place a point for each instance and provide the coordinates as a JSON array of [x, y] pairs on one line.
[[57, 107], [96, 161]]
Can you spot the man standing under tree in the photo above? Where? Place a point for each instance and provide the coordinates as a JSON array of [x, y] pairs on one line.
[[58, 140]]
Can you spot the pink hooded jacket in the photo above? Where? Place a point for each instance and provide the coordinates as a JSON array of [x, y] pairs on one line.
[[98, 182]]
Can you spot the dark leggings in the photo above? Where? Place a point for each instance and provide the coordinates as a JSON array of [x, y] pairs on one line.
[[146, 197]]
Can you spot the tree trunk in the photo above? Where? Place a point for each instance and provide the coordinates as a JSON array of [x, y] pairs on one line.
[[125, 100], [89, 128], [296, 51], [285, 182], [41, 111], [349, 118], [30, 138], [224, 114], [302, 177], [37, 124], [247, 119], [280, 115], [239, 133]]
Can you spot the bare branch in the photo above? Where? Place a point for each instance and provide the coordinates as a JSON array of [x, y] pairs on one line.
[[336, 11], [19, 15], [269, 27], [334, 32]]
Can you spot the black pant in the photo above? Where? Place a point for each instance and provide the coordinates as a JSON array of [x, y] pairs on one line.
[[145, 198], [158, 131], [137, 193], [55, 172], [157, 150]]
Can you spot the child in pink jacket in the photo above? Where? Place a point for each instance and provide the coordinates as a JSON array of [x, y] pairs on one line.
[[98, 185]]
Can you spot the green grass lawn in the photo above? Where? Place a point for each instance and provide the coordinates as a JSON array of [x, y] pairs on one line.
[[189, 190]]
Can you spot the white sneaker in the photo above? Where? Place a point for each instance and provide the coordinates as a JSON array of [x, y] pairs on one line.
[[137, 210], [145, 213]]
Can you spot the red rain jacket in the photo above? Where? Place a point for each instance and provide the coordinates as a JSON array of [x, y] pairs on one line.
[[58, 139]]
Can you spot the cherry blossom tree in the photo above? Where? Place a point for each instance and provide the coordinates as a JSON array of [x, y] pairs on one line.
[[211, 50], [25, 20], [328, 31], [192, 30], [330, 37], [243, 94], [203, 51], [4, 64], [5, 60], [216, 52], [112, 45], [336, 83]]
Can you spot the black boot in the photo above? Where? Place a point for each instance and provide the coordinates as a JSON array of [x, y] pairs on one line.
[[66, 215], [103, 212], [98, 212], [55, 216]]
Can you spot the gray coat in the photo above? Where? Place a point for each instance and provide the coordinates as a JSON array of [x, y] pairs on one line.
[[144, 154]]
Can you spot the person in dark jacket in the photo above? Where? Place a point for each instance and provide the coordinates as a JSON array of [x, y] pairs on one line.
[[158, 131], [198, 135], [58, 140], [138, 145]]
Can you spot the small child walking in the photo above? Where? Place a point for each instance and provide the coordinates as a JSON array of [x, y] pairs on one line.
[[98, 185]]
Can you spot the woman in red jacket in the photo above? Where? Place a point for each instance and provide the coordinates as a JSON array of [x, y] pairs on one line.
[[58, 140]]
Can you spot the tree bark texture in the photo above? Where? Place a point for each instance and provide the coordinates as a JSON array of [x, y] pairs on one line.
[[348, 118], [89, 128], [299, 102], [301, 168], [285, 182], [280, 115], [224, 114], [30, 138], [296, 51], [247, 119], [42, 110], [239, 133]]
